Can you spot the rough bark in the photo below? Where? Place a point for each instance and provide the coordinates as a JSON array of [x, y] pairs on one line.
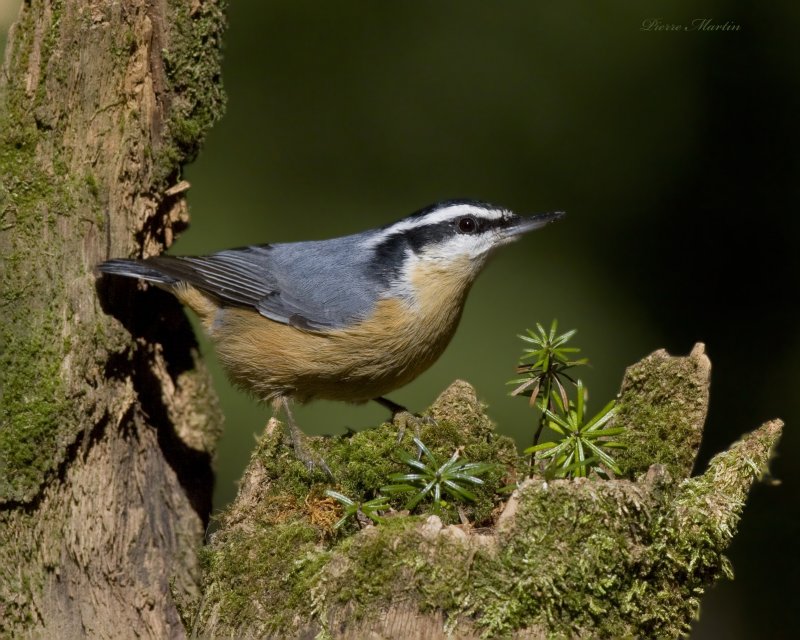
[[591, 557], [107, 422]]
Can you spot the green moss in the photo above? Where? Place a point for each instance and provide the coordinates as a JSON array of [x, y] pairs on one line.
[[47, 47], [34, 412], [124, 45], [563, 581], [662, 405], [33, 403], [283, 561], [363, 463], [377, 574], [92, 186], [193, 64]]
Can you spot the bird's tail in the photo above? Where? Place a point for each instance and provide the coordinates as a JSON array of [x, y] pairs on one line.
[[147, 270], [172, 274]]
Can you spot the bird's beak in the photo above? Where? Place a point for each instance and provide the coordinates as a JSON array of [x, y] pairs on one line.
[[520, 225]]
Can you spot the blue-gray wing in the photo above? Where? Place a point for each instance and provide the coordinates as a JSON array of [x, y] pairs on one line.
[[319, 285]]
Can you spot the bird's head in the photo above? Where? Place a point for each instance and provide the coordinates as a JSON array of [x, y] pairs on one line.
[[456, 236]]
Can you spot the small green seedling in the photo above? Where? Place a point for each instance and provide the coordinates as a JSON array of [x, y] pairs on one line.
[[432, 478], [352, 509], [548, 371], [583, 445]]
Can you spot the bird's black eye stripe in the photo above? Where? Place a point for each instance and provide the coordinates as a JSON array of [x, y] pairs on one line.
[[392, 248], [467, 224]]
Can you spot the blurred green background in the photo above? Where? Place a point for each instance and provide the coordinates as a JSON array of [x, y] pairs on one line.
[[675, 154]]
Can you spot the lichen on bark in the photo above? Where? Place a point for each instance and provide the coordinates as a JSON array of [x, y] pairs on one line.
[[627, 557]]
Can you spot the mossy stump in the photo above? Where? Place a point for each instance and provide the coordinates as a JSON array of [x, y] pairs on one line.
[[628, 557]]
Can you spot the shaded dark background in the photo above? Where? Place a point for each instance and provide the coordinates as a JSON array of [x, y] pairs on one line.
[[673, 152]]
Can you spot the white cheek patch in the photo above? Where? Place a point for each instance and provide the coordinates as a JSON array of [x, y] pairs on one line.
[[460, 246], [403, 287]]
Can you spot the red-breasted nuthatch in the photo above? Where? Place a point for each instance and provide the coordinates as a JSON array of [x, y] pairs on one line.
[[350, 318]]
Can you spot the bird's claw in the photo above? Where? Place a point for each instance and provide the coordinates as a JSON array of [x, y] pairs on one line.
[[302, 453], [310, 460], [405, 418]]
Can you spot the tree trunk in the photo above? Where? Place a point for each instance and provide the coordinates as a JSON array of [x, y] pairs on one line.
[[107, 421]]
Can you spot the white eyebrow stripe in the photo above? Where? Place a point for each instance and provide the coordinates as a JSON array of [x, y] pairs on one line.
[[448, 213]]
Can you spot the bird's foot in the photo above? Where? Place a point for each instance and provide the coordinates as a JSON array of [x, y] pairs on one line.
[[309, 459], [403, 418]]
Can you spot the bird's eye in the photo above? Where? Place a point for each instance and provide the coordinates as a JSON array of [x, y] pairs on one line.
[[467, 225]]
